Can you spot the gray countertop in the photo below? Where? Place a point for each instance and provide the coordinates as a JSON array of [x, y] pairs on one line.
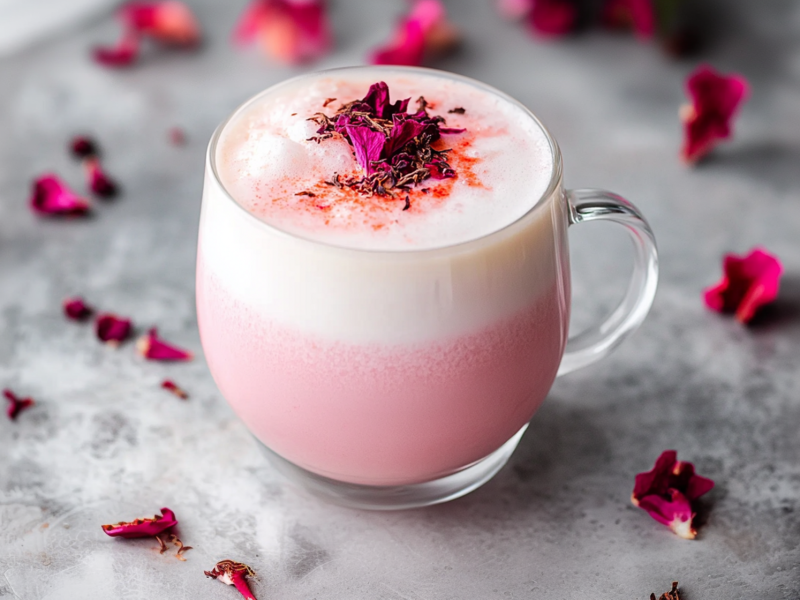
[[104, 443]]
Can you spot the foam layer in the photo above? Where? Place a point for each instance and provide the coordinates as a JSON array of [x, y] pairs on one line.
[[503, 162]]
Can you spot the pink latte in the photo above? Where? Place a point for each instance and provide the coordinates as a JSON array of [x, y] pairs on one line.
[[382, 339]]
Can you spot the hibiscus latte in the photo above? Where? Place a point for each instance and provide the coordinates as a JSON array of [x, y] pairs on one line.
[[383, 286]]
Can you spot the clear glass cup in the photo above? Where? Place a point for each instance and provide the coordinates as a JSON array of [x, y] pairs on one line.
[[359, 403]]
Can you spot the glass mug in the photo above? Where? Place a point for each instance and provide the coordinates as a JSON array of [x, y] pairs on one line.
[[394, 379]]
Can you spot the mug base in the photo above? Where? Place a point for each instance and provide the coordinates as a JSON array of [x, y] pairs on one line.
[[396, 497]]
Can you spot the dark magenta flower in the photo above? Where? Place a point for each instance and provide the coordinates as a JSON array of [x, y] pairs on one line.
[[100, 183], [16, 404], [235, 574], [154, 348], [748, 283], [291, 31], [553, 17], [112, 329], [76, 309], [638, 15], [667, 491], [51, 196], [123, 54], [83, 147], [139, 528], [424, 33], [715, 100], [367, 145], [173, 388]]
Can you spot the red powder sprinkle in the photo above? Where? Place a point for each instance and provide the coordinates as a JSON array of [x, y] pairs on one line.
[[139, 528], [76, 309], [51, 196], [153, 348], [112, 329], [15, 404], [174, 389]]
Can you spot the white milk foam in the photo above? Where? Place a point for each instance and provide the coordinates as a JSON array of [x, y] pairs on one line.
[[264, 158]]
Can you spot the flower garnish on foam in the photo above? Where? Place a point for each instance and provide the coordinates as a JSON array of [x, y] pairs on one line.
[[667, 491], [168, 22], [16, 404], [233, 573], [392, 146], [173, 388], [139, 528], [707, 120], [154, 348], [111, 329], [638, 15], [748, 283], [290, 31], [51, 196], [424, 33], [76, 309]]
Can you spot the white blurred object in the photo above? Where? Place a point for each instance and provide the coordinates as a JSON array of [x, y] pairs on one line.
[[23, 22]]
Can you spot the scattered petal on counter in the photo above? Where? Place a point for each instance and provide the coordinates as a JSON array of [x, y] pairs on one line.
[[51, 196], [173, 388], [181, 548], [235, 574], [290, 31], [83, 147], [670, 595], [423, 34], [638, 15], [76, 309], [514, 9], [139, 528], [100, 183], [553, 17], [154, 348], [748, 283], [708, 119], [16, 404], [112, 329], [177, 137], [123, 54], [667, 491]]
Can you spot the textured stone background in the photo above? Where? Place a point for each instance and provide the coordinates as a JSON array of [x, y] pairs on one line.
[[105, 443]]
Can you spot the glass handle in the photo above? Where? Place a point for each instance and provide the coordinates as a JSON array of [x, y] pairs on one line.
[[598, 341]]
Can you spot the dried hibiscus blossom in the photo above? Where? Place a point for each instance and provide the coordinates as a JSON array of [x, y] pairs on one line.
[[51, 196], [169, 22], [112, 329], [291, 31], [99, 182], [139, 528], [235, 574], [667, 491], [748, 283], [423, 33], [154, 348], [76, 309], [15, 404], [707, 120], [173, 388]]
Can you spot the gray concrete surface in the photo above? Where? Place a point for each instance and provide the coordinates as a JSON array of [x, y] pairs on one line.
[[105, 443]]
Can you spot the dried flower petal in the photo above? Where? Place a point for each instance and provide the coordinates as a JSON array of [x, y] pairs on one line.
[[638, 15], [715, 100], [154, 348], [235, 574], [76, 309], [51, 196], [291, 31], [83, 147], [424, 33], [139, 528], [667, 491], [514, 9], [99, 182], [15, 404], [670, 595], [553, 17], [112, 329], [122, 55], [173, 388], [177, 137], [181, 548], [748, 283], [162, 547], [170, 22], [367, 145]]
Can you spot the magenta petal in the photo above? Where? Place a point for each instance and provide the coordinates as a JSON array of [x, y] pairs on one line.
[[674, 511], [83, 147], [76, 309], [378, 100], [112, 329], [51, 196], [123, 54], [168, 21], [233, 573], [402, 132], [553, 17], [636, 14], [15, 404], [139, 528], [514, 9], [100, 183], [153, 348], [406, 48], [367, 145]]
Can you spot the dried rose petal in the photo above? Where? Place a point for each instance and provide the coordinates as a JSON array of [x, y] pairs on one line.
[[76, 309], [514, 9], [715, 100], [638, 15], [153, 348], [667, 491], [748, 283], [15, 404], [99, 182], [423, 33], [173, 388], [51, 196], [235, 574], [177, 137], [291, 31], [170, 22], [83, 147], [122, 55], [112, 329], [139, 528], [367, 145], [553, 17]]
